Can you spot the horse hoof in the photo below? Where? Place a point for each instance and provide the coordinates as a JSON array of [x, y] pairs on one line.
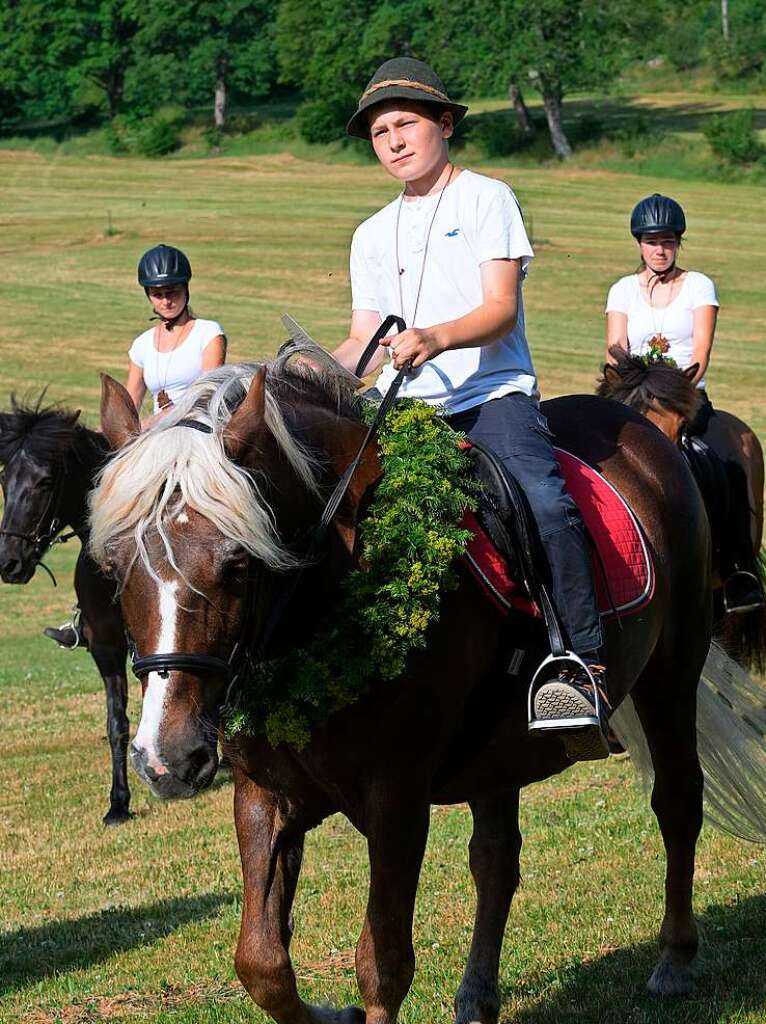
[[117, 817], [670, 980]]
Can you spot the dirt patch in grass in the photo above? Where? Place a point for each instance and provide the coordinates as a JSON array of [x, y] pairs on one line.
[[132, 1004]]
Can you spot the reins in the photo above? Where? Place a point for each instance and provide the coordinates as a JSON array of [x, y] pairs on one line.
[[243, 655]]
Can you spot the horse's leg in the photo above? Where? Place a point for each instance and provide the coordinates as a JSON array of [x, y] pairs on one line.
[[668, 717], [752, 456], [271, 862], [385, 959], [104, 631], [494, 857]]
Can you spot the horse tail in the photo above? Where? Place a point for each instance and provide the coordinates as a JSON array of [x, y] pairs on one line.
[[743, 634], [731, 726]]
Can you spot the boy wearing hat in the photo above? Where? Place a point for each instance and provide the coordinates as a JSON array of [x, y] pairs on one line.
[[449, 256]]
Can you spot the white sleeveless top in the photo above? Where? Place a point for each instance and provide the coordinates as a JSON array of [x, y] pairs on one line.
[[675, 322], [173, 371]]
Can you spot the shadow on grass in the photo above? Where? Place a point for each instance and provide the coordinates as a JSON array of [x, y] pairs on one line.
[[612, 988], [32, 954]]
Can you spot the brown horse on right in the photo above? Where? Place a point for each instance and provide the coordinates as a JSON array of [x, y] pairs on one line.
[[667, 396], [213, 509]]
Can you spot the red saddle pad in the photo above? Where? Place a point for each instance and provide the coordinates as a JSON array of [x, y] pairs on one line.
[[622, 566]]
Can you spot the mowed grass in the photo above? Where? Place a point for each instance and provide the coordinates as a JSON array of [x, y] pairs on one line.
[[139, 923]]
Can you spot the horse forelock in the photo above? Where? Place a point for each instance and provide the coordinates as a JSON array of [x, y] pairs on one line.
[[165, 469], [47, 433], [646, 387]]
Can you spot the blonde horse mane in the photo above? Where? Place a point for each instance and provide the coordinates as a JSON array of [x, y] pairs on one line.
[[164, 469]]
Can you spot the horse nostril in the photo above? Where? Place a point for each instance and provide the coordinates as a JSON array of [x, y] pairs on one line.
[[200, 766]]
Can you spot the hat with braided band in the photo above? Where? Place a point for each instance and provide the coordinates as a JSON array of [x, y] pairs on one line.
[[402, 78]]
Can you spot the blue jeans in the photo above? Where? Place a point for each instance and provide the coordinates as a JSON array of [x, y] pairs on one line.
[[517, 432]]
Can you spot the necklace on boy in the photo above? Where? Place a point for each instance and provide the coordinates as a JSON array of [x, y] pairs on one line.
[[399, 267]]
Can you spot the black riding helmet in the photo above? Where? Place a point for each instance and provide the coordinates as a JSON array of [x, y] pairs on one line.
[[656, 214], [163, 266]]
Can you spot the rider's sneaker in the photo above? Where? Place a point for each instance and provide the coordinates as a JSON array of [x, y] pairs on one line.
[[569, 698], [742, 592], [67, 635]]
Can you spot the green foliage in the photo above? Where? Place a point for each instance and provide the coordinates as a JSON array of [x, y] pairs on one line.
[[159, 135], [743, 54], [733, 138], [497, 134], [324, 120], [135, 55], [411, 538], [149, 136], [330, 49]]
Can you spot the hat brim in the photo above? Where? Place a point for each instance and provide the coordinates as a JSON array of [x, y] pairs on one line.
[[359, 126]]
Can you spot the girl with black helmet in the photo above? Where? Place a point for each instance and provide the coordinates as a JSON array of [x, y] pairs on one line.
[[663, 308], [164, 360], [167, 358]]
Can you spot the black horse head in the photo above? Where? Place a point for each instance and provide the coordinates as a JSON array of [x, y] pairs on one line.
[[46, 457]]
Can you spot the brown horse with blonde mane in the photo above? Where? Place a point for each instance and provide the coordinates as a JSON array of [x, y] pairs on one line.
[[201, 520]]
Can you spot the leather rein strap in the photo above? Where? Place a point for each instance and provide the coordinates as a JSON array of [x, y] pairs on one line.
[[243, 655]]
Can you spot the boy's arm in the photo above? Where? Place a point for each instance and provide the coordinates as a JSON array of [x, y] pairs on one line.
[[364, 323], [495, 317]]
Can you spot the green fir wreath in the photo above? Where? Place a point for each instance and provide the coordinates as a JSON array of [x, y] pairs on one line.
[[411, 536]]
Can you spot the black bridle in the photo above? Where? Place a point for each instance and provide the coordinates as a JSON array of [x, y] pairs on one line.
[[244, 656], [40, 540]]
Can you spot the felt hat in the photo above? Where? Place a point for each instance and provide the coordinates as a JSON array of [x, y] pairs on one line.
[[402, 78]]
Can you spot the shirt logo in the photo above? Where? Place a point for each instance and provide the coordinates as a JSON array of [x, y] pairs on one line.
[[451, 234]]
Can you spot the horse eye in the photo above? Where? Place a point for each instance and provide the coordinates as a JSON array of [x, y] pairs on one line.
[[234, 569]]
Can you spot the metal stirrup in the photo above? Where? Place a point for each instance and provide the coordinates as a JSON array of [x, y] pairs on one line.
[[542, 676]]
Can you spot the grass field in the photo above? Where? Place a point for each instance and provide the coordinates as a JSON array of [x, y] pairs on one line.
[[139, 923]]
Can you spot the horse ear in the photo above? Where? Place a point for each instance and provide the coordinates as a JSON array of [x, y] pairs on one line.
[[74, 417], [119, 419], [691, 371], [248, 421]]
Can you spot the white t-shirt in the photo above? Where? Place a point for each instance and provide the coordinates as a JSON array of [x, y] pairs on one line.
[[174, 371], [479, 219], [675, 322]]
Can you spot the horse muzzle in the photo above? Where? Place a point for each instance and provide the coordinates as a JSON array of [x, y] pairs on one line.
[[16, 570], [180, 779]]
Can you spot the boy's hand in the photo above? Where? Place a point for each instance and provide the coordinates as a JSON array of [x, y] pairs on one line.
[[414, 346]]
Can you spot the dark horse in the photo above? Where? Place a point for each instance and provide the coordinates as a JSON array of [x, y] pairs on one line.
[[666, 395], [218, 515], [49, 462]]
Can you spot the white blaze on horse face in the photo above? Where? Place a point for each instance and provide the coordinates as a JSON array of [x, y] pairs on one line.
[[153, 708]]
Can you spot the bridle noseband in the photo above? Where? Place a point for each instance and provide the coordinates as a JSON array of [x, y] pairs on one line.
[[245, 656]]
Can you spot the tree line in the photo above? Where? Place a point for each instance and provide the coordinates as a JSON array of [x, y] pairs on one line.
[[90, 59]]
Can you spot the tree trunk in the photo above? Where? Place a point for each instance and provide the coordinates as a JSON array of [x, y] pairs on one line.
[[219, 104], [725, 19], [522, 115], [552, 105]]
